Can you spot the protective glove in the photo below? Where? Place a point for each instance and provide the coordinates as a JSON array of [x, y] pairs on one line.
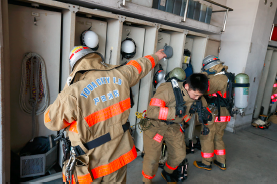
[[206, 115], [181, 110]]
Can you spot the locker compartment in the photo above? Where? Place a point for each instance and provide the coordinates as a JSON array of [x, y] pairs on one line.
[[144, 35], [263, 104], [196, 43], [174, 38], [39, 31], [97, 26], [137, 34], [213, 47]]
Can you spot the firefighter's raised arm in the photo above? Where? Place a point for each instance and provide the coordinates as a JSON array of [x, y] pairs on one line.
[[134, 70]]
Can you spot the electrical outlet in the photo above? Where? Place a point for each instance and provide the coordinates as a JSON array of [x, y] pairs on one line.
[[35, 14]]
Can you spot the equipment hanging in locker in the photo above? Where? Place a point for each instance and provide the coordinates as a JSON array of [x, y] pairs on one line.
[[241, 86], [90, 39], [128, 48], [168, 50], [158, 76], [34, 95]]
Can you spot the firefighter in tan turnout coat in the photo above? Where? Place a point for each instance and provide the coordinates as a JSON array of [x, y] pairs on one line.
[[212, 143], [94, 107], [166, 120]]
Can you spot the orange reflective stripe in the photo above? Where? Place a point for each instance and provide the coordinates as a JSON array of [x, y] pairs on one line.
[[274, 100], [209, 110], [207, 155], [73, 127], [136, 65], [275, 85], [73, 179], [64, 180], [208, 86], [214, 94], [146, 176], [224, 95], [273, 96], [169, 167], [46, 117], [220, 152], [223, 119], [188, 120], [184, 117], [84, 178], [158, 138], [151, 59], [163, 113], [157, 102], [123, 160], [108, 112], [219, 92]]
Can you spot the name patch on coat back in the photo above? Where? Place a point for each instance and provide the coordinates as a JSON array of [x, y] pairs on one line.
[[98, 82]]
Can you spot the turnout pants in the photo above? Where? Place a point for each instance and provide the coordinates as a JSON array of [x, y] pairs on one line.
[[153, 139], [117, 176], [213, 144]]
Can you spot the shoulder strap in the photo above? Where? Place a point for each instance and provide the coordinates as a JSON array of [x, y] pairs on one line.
[[177, 93]]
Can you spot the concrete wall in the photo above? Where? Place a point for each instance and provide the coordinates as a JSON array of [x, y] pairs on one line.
[[244, 45]]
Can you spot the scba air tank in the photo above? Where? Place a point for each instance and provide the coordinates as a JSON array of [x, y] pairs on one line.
[[241, 90]]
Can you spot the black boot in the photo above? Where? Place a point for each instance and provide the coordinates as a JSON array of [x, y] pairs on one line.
[[181, 173], [197, 145], [190, 147], [200, 165], [168, 177], [220, 165]]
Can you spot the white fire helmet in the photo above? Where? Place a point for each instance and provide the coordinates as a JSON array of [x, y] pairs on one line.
[[77, 53], [128, 48], [90, 39]]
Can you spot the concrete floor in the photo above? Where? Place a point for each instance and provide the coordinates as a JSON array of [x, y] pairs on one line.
[[251, 158]]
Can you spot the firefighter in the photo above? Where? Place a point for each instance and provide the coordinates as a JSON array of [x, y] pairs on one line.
[[165, 119], [212, 143], [93, 108]]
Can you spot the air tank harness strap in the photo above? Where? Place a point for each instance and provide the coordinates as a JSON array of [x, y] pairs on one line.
[[97, 142], [217, 103], [180, 103]]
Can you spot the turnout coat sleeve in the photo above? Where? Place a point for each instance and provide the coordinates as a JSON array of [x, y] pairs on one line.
[[134, 70], [61, 113], [158, 107]]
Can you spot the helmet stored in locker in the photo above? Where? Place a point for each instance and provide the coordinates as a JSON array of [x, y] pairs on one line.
[[128, 48], [210, 61], [77, 53], [90, 39], [158, 76]]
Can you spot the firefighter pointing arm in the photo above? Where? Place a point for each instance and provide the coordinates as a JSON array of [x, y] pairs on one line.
[[167, 110], [93, 108]]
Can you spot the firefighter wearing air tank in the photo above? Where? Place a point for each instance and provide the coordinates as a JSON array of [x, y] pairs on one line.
[[212, 144], [93, 108], [168, 109]]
